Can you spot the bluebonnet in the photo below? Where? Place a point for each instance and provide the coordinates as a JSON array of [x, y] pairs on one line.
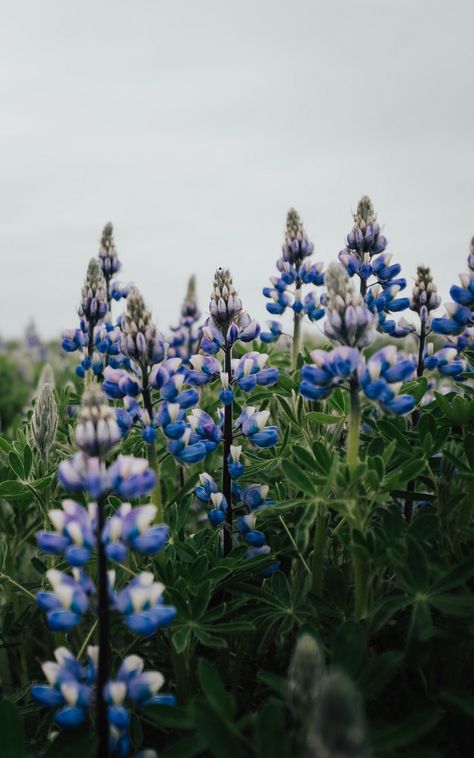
[[252, 424], [71, 690], [294, 271], [74, 536], [188, 450], [365, 256], [92, 310], [185, 336], [460, 312], [127, 477], [380, 377], [349, 320], [236, 468], [68, 601], [141, 604], [448, 361], [132, 529]]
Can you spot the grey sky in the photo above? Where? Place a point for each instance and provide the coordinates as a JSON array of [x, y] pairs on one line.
[[193, 126]]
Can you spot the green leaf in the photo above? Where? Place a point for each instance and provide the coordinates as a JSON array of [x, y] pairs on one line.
[[454, 605], [170, 717], [181, 638], [271, 736], [27, 460], [455, 578], [11, 488], [5, 446], [16, 464], [349, 647], [298, 477], [77, 743], [230, 627], [324, 418], [209, 640], [214, 692], [277, 683], [402, 733], [220, 737], [11, 731], [416, 387], [188, 747], [463, 701], [378, 672]]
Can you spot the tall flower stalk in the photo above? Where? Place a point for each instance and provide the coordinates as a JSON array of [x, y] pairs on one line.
[[287, 288]]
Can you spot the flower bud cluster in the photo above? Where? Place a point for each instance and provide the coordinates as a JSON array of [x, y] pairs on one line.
[[185, 337], [349, 320]]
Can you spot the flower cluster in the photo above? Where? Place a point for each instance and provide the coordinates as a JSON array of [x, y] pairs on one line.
[[294, 271], [186, 335], [349, 320], [71, 692], [366, 257], [379, 377], [460, 313]]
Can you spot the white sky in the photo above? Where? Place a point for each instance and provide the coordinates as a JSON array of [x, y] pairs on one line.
[[193, 126]]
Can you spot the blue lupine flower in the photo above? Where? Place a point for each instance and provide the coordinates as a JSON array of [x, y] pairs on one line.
[[127, 477], [118, 383], [186, 335], [204, 491], [69, 687], [263, 550], [171, 418], [141, 340], [294, 270], [349, 320], [130, 477], [386, 371], [69, 600], [131, 529], [205, 369], [74, 536], [73, 339], [226, 395], [188, 451], [173, 391], [228, 321], [204, 429], [460, 313], [253, 427], [275, 330], [250, 370], [448, 362], [236, 468], [97, 430], [119, 291], [142, 605], [329, 370]]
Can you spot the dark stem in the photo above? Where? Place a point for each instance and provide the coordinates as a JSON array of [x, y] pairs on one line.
[[151, 448], [228, 438], [408, 508], [103, 616], [363, 287], [421, 364]]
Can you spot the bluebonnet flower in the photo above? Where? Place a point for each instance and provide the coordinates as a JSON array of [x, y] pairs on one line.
[[188, 450], [365, 256], [252, 425], [460, 313], [236, 468], [250, 370], [97, 430], [142, 605], [380, 377], [68, 601], [118, 383], [185, 337], [294, 271], [448, 361], [131, 529], [127, 477], [275, 331], [204, 429], [349, 320], [74, 536], [71, 690]]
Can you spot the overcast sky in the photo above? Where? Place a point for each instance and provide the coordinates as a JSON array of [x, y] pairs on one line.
[[193, 126]]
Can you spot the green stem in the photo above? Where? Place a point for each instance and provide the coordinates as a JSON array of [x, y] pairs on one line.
[[19, 586], [317, 561], [354, 425], [300, 556], [156, 494], [361, 579], [465, 512], [296, 340], [180, 674]]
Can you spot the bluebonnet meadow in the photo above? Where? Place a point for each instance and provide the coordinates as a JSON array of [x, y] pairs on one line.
[[277, 526]]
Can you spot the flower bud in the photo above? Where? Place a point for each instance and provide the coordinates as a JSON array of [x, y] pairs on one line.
[[97, 429], [44, 421]]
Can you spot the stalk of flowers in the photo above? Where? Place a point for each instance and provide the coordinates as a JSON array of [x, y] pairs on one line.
[[228, 323], [150, 373], [287, 288], [72, 688], [457, 325], [249, 500], [110, 264], [79, 532], [424, 300], [92, 311], [365, 256], [379, 378], [186, 335]]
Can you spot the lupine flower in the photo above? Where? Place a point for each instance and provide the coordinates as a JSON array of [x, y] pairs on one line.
[[97, 430], [127, 477], [69, 687], [73, 339], [141, 340], [74, 536], [448, 361], [131, 529], [204, 429], [118, 383], [185, 337], [236, 468], [189, 448], [295, 270], [44, 420], [68, 601], [228, 322], [275, 330], [93, 306], [142, 605], [250, 370], [349, 321], [252, 424], [424, 295], [70, 690], [460, 313], [380, 377], [108, 257]]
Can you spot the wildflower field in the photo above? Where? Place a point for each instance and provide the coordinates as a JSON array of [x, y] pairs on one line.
[[237, 539]]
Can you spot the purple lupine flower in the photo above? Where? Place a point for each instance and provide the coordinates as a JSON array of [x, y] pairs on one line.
[[130, 477], [188, 450], [236, 468], [250, 370], [460, 313], [141, 340], [185, 337], [275, 330], [253, 427], [448, 361], [97, 430], [118, 383], [74, 532], [204, 429], [69, 687], [108, 257]]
